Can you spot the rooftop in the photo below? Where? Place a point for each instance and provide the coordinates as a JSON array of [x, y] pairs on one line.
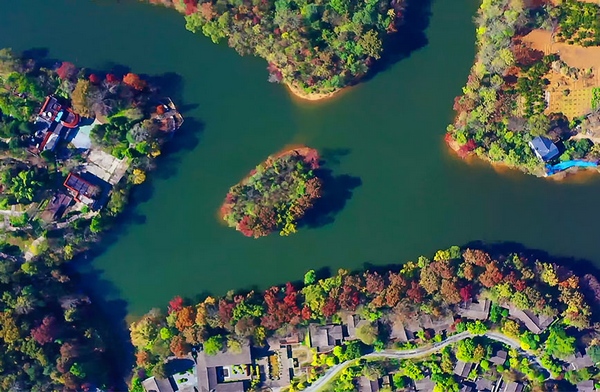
[[475, 310], [325, 337], [544, 148], [462, 369]]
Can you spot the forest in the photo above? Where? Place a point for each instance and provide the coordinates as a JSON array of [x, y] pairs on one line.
[[275, 195], [52, 337], [313, 47], [503, 105], [428, 287]]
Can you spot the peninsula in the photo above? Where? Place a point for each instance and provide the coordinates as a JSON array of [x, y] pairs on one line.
[[462, 319], [275, 195], [73, 143], [315, 48], [532, 97]]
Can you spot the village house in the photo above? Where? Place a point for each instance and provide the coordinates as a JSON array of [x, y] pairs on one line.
[[475, 310], [499, 358], [353, 323], [536, 324], [424, 385], [590, 126], [511, 386], [277, 367], [179, 382], [83, 191], [57, 206], [484, 384], [579, 361], [586, 386], [398, 332], [325, 337], [543, 148], [366, 385], [225, 371], [462, 369], [439, 324], [53, 123]]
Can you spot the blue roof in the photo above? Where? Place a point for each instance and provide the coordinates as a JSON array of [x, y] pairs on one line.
[[544, 148]]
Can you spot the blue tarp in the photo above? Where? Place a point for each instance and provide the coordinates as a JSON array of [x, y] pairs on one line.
[[553, 169]]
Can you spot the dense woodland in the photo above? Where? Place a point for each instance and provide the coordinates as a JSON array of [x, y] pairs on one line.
[[275, 195], [315, 47], [502, 105], [425, 287], [49, 335]]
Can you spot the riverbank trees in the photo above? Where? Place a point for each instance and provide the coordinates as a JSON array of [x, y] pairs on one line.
[[275, 195], [315, 47], [504, 104], [400, 294]]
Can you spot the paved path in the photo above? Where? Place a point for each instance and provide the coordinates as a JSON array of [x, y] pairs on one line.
[[420, 352]]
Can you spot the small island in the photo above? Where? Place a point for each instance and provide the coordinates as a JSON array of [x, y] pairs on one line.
[[532, 99], [275, 195], [316, 49], [465, 318]]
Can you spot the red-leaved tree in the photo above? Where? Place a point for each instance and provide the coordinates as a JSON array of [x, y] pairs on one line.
[[66, 70]]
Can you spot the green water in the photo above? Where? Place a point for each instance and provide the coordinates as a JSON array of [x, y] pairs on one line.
[[414, 197]]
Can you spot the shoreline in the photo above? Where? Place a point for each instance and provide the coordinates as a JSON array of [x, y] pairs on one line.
[[573, 175], [296, 92]]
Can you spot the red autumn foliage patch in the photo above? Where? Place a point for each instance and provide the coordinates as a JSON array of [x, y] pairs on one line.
[[66, 70]]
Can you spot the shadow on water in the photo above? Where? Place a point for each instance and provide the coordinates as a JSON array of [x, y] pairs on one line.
[[336, 191], [110, 320], [410, 37]]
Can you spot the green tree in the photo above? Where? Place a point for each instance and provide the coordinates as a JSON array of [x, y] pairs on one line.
[[309, 277], [213, 345]]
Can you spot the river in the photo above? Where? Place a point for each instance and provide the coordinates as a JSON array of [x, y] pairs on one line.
[[410, 196]]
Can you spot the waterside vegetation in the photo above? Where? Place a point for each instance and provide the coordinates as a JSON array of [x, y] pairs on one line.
[[527, 101], [543, 311], [316, 48]]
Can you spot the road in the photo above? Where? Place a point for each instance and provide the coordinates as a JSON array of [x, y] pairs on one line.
[[420, 352]]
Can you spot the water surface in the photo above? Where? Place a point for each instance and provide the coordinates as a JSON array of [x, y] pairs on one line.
[[414, 197]]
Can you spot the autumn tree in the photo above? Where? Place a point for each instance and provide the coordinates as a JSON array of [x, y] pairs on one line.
[[179, 347], [185, 318], [79, 98], [134, 81], [46, 331], [66, 70]]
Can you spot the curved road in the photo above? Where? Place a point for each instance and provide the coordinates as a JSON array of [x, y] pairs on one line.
[[423, 351]]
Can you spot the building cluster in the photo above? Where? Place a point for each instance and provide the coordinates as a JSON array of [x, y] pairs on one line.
[[286, 358]]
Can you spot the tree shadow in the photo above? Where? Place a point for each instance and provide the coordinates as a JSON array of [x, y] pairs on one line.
[[109, 318], [409, 38], [336, 191]]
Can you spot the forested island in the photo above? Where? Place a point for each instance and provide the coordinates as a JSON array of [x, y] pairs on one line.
[[275, 195], [464, 318], [532, 97], [315, 48], [73, 143]]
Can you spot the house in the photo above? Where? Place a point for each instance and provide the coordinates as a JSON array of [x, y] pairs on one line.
[[53, 122], [82, 190], [425, 385], [398, 332], [366, 385], [56, 207], [181, 382], [462, 369], [543, 148], [437, 324], [579, 361], [225, 371], [353, 323], [154, 384], [511, 386], [475, 310], [499, 358], [590, 126], [325, 337], [466, 388], [536, 324], [484, 384], [586, 386]]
